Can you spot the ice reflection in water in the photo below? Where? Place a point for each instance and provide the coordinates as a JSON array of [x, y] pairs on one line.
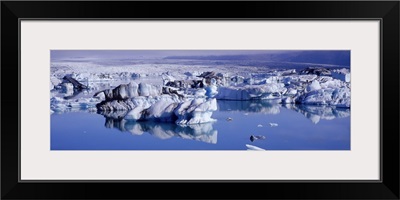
[[316, 113], [205, 132], [199, 132], [300, 127], [265, 106], [313, 112]]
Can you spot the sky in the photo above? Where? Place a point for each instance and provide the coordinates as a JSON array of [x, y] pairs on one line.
[[68, 54], [335, 57]]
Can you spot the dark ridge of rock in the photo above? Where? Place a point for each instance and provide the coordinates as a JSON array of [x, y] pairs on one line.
[[320, 71], [74, 82], [207, 75], [256, 137]]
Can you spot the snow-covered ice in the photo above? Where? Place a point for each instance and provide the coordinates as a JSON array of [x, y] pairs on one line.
[[142, 93], [341, 74]]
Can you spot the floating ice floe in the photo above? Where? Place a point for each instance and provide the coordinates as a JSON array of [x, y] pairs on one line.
[[254, 148], [59, 105], [273, 124]]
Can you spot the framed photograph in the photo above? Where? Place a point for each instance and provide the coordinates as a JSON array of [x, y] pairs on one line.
[[290, 96]]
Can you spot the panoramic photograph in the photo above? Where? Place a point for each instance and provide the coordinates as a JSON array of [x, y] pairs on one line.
[[236, 100]]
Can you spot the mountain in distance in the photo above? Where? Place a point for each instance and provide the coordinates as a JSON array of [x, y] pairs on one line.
[[331, 57]]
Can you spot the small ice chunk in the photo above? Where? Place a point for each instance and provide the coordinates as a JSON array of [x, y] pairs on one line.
[[260, 125], [257, 137], [254, 148], [273, 124]]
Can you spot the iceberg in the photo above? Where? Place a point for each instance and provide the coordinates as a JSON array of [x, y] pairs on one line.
[[305, 88], [199, 111], [339, 97], [191, 96], [165, 108], [342, 74], [126, 91], [212, 90]]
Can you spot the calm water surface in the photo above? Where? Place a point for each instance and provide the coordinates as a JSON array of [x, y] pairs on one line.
[[299, 128]]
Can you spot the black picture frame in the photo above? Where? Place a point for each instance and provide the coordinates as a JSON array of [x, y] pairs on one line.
[[386, 11]]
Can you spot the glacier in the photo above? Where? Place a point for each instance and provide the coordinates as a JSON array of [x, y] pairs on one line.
[[190, 97]]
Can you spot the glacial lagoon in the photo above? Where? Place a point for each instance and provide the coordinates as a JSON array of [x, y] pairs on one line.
[[200, 100], [299, 127]]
